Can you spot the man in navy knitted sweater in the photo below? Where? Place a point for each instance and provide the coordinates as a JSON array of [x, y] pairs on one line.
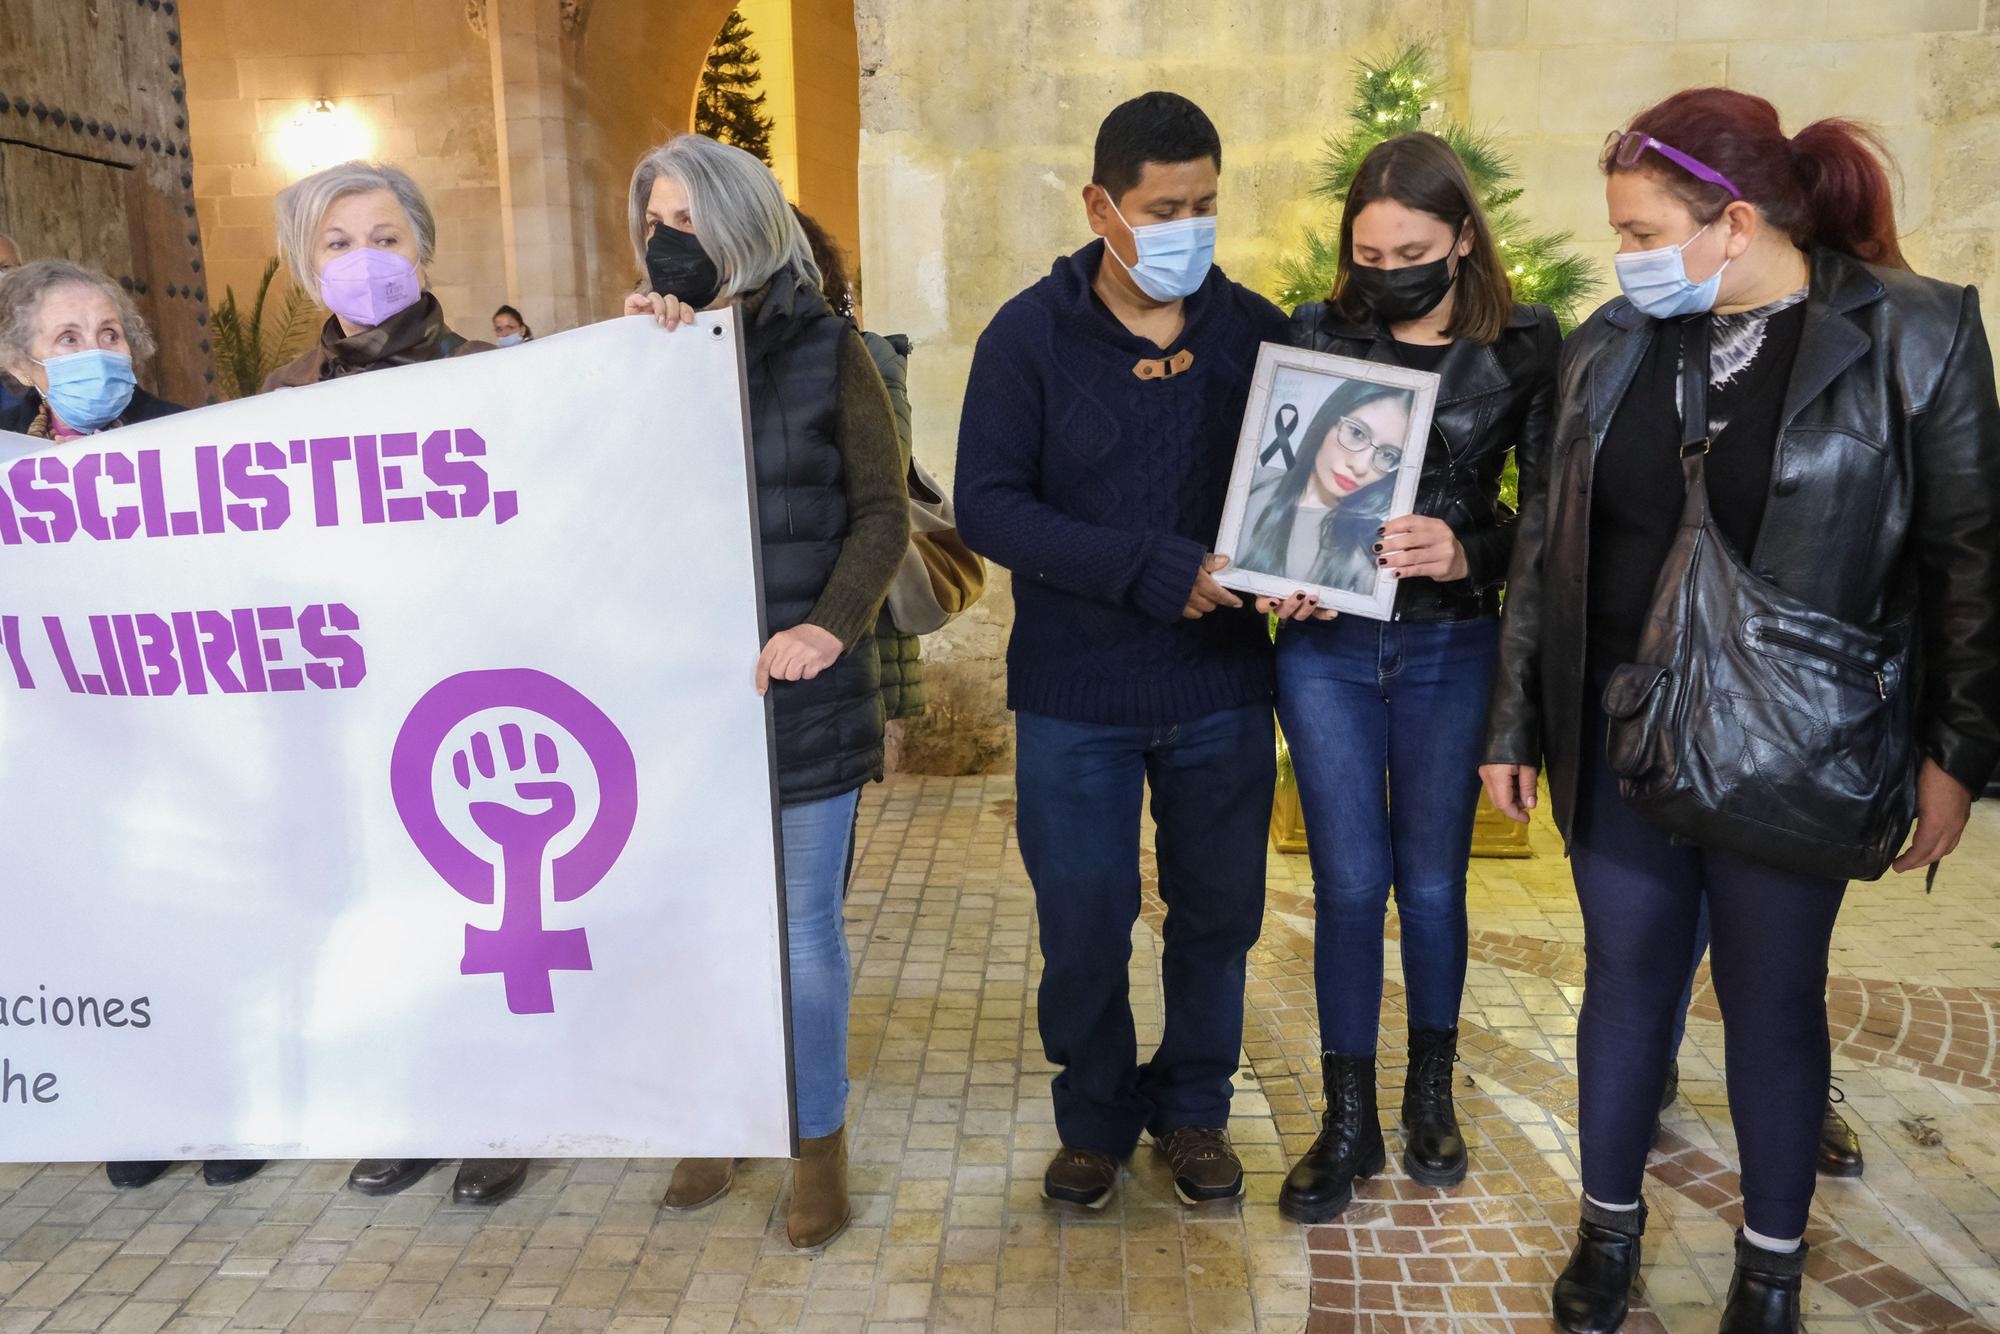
[[1100, 422]]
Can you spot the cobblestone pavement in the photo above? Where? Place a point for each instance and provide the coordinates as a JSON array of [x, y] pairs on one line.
[[951, 1128]]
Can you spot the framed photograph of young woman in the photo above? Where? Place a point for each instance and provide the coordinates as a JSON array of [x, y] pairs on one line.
[[1331, 448]]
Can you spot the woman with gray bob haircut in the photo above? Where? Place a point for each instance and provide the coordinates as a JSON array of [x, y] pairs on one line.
[[715, 233], [360, 236]]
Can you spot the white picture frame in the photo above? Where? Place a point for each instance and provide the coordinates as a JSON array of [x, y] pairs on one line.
[[1295, 394]]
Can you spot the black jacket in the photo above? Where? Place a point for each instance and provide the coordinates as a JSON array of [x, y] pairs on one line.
[[1492, 398], [20, 413], [1885, 486], [829, 728]]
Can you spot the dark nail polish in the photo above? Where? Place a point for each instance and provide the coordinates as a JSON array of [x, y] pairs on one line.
[[1381, 561], [1379, 532], [1378, 546]]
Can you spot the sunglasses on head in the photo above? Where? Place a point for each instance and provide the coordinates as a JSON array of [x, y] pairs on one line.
[[1623, 148]]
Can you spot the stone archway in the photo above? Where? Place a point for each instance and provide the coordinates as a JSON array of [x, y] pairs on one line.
[[636, 71]]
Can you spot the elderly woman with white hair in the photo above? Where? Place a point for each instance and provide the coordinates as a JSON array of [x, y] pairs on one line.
[[359, 236], [74, 338], [713, 229]]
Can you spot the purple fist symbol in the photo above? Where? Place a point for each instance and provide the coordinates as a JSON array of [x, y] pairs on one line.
[[513, 787], [508, 825]]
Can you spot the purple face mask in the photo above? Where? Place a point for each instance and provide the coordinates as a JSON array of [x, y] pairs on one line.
[[368, 285]]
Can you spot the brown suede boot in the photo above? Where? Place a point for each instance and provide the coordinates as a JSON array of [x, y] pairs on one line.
[[697, 1181], [819, 1210]]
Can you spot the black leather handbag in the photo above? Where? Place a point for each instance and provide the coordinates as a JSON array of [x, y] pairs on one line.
[[1753, 723]]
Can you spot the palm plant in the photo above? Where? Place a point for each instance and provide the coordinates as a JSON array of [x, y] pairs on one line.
[[245, 350]]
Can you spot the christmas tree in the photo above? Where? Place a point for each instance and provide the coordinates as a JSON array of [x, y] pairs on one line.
[[729, 106], [1394, 98]]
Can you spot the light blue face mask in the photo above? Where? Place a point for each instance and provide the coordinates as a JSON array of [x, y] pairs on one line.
[[1174, 257], [1656, 281], [507, 340], [89, 389]]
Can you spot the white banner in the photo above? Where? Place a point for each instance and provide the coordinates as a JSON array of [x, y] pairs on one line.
[[381, 773]]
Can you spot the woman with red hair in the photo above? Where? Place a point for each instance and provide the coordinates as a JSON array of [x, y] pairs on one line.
[[1695, 606]]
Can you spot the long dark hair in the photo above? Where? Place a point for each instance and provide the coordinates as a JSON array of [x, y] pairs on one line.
[[1345, 557], [1421, 172], [835, 285], [1827, 185]]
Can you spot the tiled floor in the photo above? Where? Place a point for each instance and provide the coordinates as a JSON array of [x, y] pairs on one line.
[[951, 1127]]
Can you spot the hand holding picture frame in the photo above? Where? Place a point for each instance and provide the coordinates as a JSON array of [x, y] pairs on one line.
[[1331, 449]]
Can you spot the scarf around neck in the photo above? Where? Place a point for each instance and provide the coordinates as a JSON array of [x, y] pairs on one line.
[[406, 338]]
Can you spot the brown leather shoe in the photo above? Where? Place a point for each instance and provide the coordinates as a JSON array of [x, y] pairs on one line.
[[488, 1180], [1205, 1168], [697, 1181], [1083, 1177], [1839, 1146], [819, 1211]]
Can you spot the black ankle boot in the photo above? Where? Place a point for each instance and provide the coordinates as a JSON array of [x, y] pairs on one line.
[[1349, 1145], [1433, 1150], [1595, 1288], [1764, 1294]]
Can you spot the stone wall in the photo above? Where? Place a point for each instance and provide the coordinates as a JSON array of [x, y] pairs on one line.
[[977, 124], [1554, 77], [414, 77], [633, 104]]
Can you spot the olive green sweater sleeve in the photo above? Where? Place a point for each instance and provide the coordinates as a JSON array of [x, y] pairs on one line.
[[878, 504]]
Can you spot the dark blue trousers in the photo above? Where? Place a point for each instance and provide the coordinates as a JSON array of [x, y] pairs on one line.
[[1080, 787], [1770, 931]]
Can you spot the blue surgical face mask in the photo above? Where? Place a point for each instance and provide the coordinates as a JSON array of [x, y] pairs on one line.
[[1656, 281], [89, 389], [1174, 257], [507, 340]]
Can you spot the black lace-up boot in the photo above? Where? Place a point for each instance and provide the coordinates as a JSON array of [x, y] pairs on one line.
[[1349, 1146], [1433, 1150]]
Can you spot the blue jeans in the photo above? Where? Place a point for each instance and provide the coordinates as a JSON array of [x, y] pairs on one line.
[[1080, 786], [817, 835], [1384, 720]]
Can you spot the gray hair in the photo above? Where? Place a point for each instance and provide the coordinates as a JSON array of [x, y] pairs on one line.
[[23, 290], [739, 210], [302, 205]]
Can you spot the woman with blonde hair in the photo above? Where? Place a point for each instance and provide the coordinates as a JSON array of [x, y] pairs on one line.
[[359, 236]]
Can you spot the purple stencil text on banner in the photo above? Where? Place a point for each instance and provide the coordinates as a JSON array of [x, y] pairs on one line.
[[512, 782]]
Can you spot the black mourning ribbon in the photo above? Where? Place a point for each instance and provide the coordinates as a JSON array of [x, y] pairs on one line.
[[1281, 441]]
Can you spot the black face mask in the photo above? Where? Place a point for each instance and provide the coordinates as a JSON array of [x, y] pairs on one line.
[[1408, 293], [677, 266]]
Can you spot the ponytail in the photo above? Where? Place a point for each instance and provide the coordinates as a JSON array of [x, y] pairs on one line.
[[1828, 185], [1847, 195]]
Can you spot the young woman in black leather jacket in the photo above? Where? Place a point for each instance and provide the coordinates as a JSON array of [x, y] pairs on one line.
[[1386, 716], [1853, 462]]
